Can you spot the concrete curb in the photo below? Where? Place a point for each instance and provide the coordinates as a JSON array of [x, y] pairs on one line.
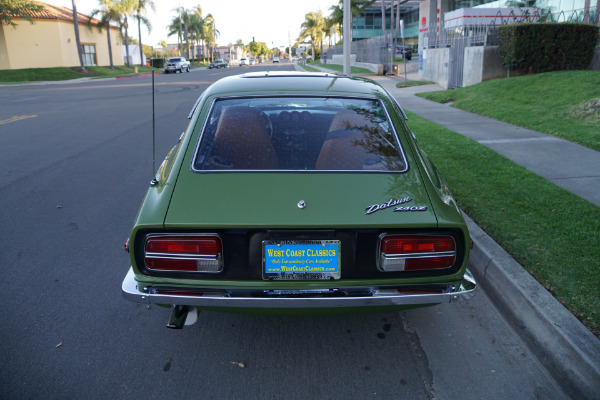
[[569, 351]]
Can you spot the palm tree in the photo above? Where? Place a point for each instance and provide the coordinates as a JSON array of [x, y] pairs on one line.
[[163, 44], [201, 27], [186, 17], [356, 8], [125, 8], [108, 12], [140, 9], [208, 30], [181, 21], [211, 33], [18, 9], [332, 30], [313, 26], [77, 40]]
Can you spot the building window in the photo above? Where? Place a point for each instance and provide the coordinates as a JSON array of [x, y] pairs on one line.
[[89, 55]]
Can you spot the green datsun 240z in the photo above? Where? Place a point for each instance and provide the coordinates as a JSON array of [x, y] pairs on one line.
[[297, 192]]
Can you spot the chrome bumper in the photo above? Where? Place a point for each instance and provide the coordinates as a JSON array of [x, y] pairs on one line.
[[379, 297]]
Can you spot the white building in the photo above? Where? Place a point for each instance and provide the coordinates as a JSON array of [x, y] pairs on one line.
[[134, 55]]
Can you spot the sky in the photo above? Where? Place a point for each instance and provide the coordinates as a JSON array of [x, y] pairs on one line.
[[269, 21]]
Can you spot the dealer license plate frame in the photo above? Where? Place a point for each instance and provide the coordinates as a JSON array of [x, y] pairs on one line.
[[283, 260]]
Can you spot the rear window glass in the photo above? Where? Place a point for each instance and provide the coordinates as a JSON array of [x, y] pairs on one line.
[[298, 134]]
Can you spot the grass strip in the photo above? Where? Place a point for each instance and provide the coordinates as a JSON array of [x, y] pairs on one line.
[[309, 69], [560, 103], [340, 68], [412, 83], [38, 74], [551, 232], [65, 73]]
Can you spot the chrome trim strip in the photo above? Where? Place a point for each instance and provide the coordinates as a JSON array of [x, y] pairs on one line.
[[181, 256], [462, 290], [420, 255]]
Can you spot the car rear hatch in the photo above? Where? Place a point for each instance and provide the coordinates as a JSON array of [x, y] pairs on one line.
[[299, 200]]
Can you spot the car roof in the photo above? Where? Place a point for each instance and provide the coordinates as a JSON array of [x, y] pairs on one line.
[[291, 83]]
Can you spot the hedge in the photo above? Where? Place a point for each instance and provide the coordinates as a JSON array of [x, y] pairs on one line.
[[543, 47], [157, 62]]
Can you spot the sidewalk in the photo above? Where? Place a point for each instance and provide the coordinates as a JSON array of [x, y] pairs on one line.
[[566, 164], [569, 351]]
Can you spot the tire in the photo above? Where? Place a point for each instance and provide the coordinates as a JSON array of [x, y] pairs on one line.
[[187, 69]]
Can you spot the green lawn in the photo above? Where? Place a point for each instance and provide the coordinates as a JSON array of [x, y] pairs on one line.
[[553, 233], [558, 103]]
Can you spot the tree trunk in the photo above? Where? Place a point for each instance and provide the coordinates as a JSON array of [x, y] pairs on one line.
[[140, 36], [109, 44], [321, 56], [586, 12], [127, 43], [187, 43], [77, 40]]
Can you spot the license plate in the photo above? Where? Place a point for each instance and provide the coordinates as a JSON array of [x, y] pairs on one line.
[[301, 260]]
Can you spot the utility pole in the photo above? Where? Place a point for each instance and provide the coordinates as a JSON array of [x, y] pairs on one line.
[[347, 36], [290, 48]]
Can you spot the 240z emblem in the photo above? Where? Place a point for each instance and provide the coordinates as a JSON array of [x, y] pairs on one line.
[[376, 207], [421, 208]]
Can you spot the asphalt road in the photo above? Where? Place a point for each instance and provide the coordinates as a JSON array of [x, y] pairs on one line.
[[75, 165]]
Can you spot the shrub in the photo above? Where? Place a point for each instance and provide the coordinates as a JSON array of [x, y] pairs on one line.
[[157, 62], [543, 47]]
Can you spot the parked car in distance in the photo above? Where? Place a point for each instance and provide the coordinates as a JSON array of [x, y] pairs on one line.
[[243, 61], [404, 52], [219, 63], [252, 61], [275, 59], [295, 192], [175, 64]]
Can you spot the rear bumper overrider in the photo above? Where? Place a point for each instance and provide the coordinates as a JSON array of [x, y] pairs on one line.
[[367, 297]]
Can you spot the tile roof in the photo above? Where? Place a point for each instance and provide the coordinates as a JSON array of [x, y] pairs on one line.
[[61, 13]]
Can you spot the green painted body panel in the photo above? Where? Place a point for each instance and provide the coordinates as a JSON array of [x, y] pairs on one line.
[[270, 200]]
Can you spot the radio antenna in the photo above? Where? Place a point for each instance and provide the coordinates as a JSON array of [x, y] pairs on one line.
[[153, 182]]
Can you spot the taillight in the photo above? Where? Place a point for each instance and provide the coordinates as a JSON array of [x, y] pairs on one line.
[[188, 253], [416, 252]]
